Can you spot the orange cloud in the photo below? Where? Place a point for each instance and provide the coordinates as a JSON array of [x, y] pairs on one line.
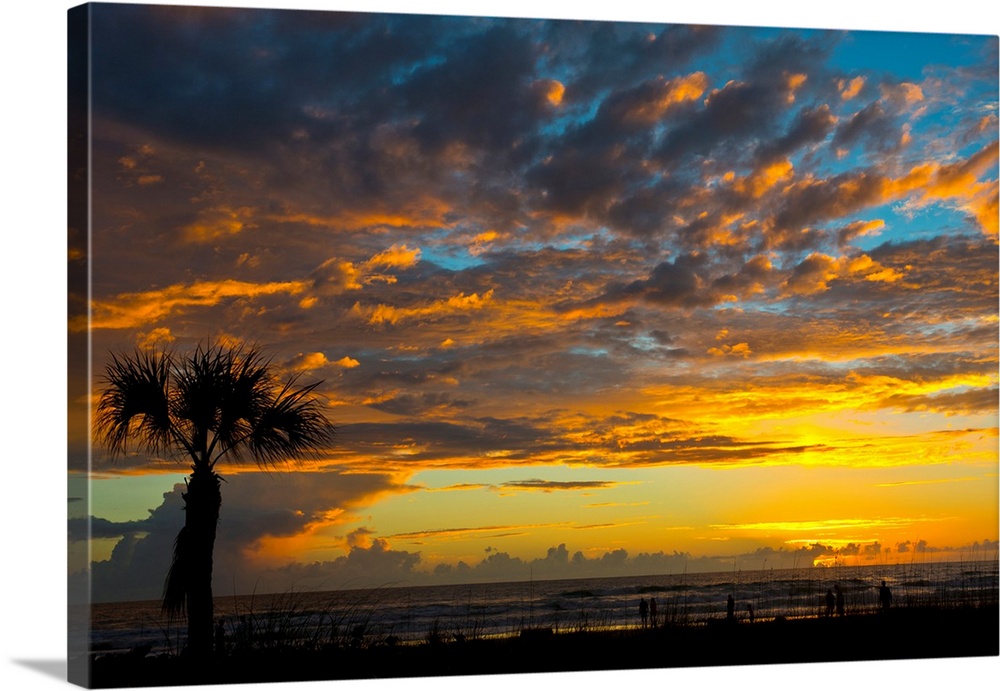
[[397, 257], [150, 339], [387, 314], [598, 311], [309, 361], [667, 94], [902, 94], [816, 272], [757, 183], [740, 350], [861, 229], [955, 180], [481, 242], [741, 408], [982, 204], [132, 310], [925, 183], [793, 82], [422, 212], [550, 90], [850, 88], [958, 183], [336, 276], [218, 222]]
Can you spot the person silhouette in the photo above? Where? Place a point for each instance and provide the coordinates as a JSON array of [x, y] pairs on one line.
[[750, 612], [885, 597], [840, 599], [643, 611], [652, 612], [830, 600], [730, 607]]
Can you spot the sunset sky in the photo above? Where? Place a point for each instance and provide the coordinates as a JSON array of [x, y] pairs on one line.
[[585, 298]]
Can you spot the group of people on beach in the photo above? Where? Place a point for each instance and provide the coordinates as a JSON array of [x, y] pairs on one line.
[[834, 603], [835, 600]]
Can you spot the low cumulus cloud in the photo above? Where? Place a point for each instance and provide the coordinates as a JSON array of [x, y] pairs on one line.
[[140, 559], [256, 507]]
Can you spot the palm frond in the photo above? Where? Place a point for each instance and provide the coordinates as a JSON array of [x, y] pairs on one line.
[[135, 404], [290, 427], [202, 381], [248, 392]]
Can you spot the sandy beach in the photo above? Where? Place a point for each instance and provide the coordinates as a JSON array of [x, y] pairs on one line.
[[905, 633]]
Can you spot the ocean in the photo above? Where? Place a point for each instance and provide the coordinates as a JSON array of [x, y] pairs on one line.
[[450, 612]]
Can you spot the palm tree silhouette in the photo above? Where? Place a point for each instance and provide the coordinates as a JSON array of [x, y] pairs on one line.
[[217, 402]]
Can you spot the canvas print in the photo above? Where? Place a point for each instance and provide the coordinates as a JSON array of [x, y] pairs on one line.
[[408, 345]]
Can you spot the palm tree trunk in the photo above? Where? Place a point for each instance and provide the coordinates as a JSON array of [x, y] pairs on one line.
[[189, 582]]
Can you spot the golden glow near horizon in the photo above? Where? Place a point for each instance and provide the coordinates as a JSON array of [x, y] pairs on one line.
[[572, 319]]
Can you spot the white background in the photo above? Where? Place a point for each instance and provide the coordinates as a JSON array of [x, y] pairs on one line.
[[33, 320]]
